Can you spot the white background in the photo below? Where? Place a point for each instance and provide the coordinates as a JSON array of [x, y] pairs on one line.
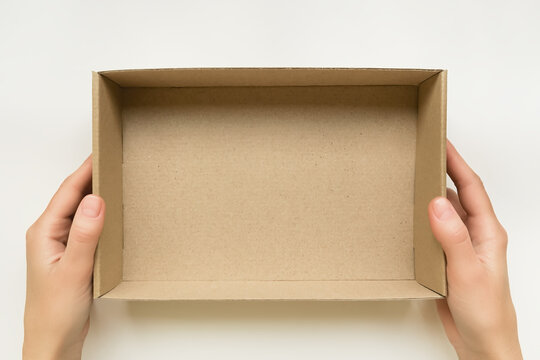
[[48, 48]]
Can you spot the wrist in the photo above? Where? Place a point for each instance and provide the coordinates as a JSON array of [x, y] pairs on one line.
[[497, 351], [48, 350]]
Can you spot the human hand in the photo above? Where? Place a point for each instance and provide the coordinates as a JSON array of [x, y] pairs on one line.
[[478, 315], [60, 248]]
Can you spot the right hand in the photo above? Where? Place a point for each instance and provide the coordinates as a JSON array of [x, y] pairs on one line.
[[478, 315]]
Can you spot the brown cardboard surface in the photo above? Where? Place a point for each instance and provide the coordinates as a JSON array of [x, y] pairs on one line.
[[107, 180], [430, 180], [266, 77], [269, 183], [271, 290], [281, 183]]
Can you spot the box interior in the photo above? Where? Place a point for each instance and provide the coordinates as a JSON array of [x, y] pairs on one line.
[[269, 184]]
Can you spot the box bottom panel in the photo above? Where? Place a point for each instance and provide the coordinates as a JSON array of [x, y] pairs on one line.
[[289, 183]]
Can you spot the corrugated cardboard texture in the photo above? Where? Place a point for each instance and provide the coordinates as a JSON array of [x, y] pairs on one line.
[[271, 290], [266, 77], [430, 180], [275, 183], [107, 180], [269, 183]]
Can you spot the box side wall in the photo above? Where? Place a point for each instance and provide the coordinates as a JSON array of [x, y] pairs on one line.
[[271, 290], [430, 180], [107, 180], [206, 77]]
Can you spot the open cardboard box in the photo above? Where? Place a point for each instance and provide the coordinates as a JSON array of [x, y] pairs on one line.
[[269, 183]]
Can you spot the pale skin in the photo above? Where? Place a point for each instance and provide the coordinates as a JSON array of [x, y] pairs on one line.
[[478, 314]]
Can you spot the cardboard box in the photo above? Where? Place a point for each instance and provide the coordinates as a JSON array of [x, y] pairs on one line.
[[269, 183]]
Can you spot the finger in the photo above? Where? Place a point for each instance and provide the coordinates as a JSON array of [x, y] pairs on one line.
[[84, 234], [471, 191], [452, 196], [453, 236], [64, 203]]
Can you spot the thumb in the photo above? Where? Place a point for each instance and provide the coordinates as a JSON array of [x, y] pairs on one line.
[[84, 234], [452, 234]]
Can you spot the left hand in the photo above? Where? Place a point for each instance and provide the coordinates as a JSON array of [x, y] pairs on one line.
[[60, 248]]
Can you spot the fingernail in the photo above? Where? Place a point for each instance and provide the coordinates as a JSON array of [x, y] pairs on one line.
[[91, 206], [442, 208]]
